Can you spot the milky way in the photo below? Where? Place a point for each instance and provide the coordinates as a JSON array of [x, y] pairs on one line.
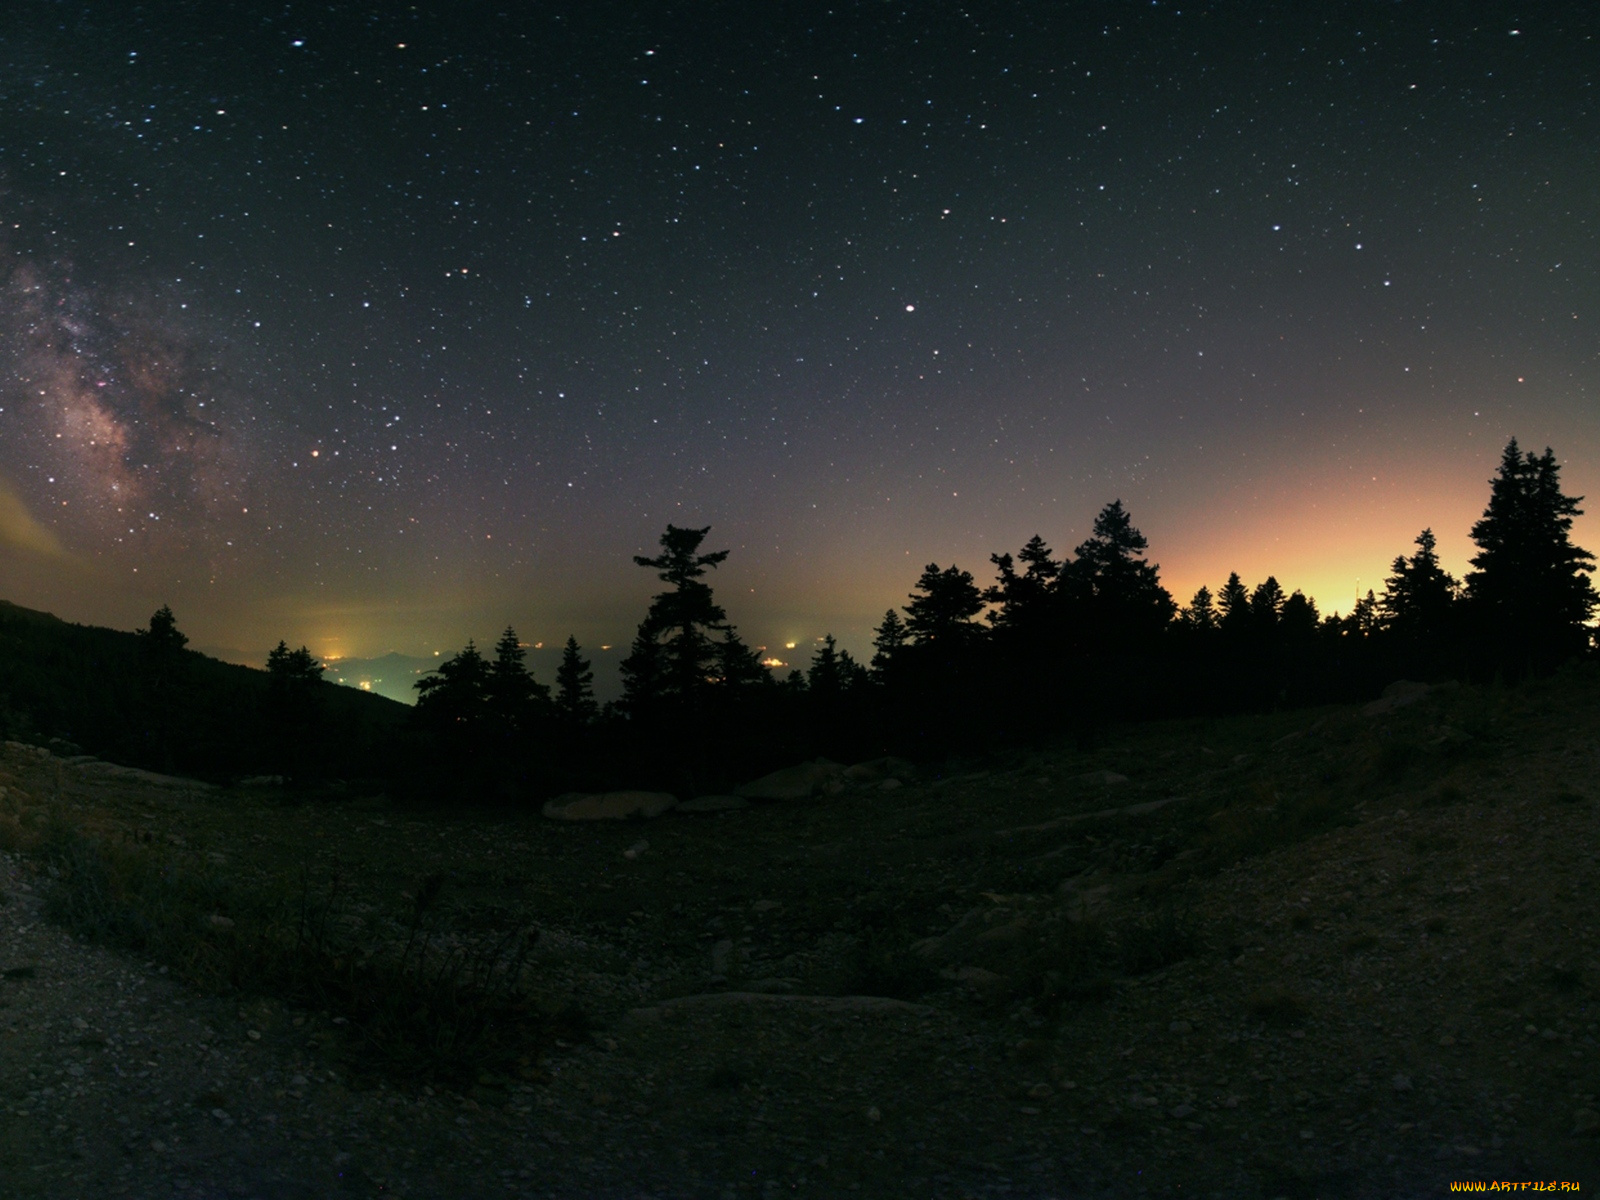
[[122, 419], [464, 307]]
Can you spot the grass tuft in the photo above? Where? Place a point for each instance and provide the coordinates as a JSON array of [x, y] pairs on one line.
[[435, 1005]]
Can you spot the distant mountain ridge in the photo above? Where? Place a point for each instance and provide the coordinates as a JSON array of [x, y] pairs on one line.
[[96, 689]]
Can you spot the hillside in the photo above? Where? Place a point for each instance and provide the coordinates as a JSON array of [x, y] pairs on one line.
[[1343, 952], [92, 689]]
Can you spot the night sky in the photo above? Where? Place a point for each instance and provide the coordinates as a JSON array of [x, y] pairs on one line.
[[376, 327]]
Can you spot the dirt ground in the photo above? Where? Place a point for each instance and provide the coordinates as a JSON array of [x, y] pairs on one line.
[[1357, 958]]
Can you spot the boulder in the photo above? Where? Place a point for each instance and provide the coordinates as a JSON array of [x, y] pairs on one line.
[[795, 783], [608, 806], [713, 804], [1397, 695], [877, 769]]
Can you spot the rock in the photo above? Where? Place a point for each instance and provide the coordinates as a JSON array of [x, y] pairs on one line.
[[635, 850], [1103, 778], [773, 984], [121, 774], [1287, 739], [1180, 1111], [713, 804], [793, 783], [1397, 695], [1585, 1122], [784, 1000], [218, 921], [720, 953], [1401, 1083], [1180, 1027], [608, 806], [255, 781], [873, 1114], [878, 769], [976, 978], [889, 785]]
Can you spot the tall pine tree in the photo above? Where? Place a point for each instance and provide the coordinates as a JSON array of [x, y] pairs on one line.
[[575, 703], [1529, 594]]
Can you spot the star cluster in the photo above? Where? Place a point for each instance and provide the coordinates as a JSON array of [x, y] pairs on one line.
[[378, 326]]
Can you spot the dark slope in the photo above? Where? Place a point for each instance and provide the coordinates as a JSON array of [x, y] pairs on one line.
[[96, 689]]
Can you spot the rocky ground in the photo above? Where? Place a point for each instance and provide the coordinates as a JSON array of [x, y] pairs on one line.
[[1316, 954]]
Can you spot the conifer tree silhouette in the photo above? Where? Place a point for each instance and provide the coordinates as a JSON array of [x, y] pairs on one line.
[[575, 702], [512, 695], [888, 642], [1419, 596], [1529, 594], [162, 647], [293, 709], [940, 611], [1113, 590], [1023, 601], [1233, 603], [1201, 613], [674, 655]]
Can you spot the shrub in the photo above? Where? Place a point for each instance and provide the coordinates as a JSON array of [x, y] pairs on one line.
[[436, 1005]]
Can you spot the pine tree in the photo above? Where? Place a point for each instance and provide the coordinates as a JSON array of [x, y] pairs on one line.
[[163, 637], [1418, 598], [1113, 590], [1298, 618], [1266, 603], [888, 641], [940, 611], [1530, 595], [164, 670], [1234, 603], [511, 693], [825, 677], [1023, 600], [674, 655], [293, 710], [1201, 613], [574, 686], [456, 695]]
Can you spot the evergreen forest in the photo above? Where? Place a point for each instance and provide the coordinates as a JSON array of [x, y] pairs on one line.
[[1052, 643]]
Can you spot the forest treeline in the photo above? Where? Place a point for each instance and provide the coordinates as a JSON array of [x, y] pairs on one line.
[[1053, 643]]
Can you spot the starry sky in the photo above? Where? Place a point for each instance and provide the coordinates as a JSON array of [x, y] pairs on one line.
[[376, 327]]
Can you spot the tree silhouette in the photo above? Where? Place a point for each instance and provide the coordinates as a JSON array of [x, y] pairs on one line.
[[1419, 596], [293, 711], [826, 677], [1201, 613], [455, 696], [513, 696], [574, 686], [1266, 603], [162, 651], [1023, 601], [163, 638], [888, 641], [1114, 592], [1298, 617], [674, 655], [940, 611], [1234, 604], [1529, 594]]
